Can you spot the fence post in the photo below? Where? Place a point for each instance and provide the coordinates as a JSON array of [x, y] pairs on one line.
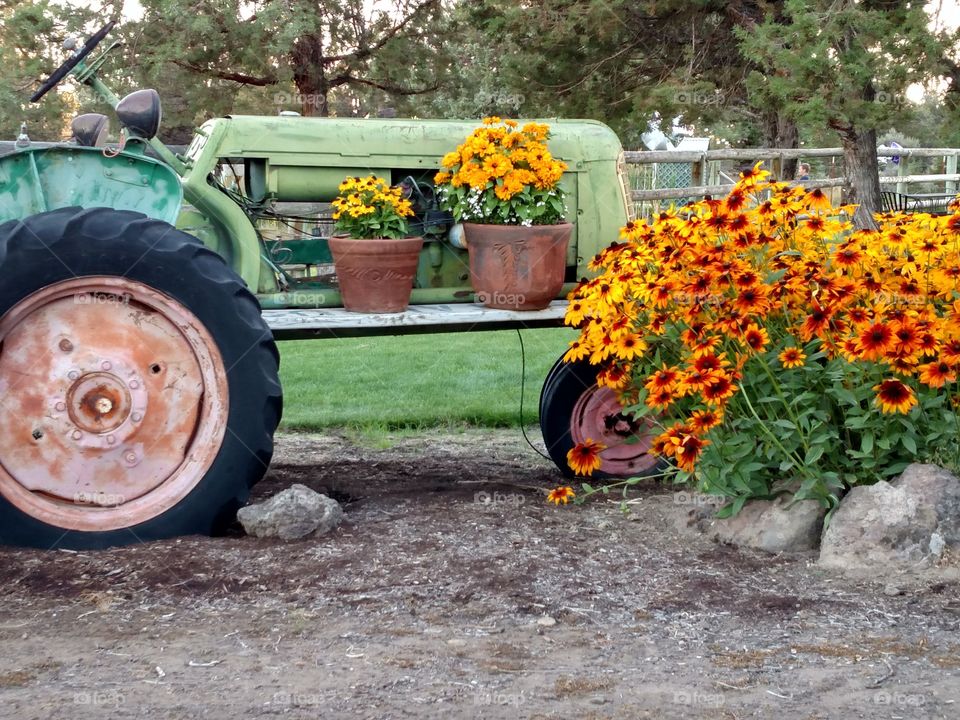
[[902, 172], [950, 186]]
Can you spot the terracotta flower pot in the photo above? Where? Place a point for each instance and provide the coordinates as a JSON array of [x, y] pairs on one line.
[[376, 276], [517, 268]]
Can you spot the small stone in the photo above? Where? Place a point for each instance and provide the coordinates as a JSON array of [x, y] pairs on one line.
[[546, 621], [457, 642], [937, 544], [292, 514], [892, 590]]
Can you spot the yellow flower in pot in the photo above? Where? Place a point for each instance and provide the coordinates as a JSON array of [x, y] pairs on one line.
[[502, 183], [375, 260]]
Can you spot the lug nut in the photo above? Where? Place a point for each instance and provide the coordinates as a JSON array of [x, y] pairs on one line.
[[77, 435], [130, 457], [111, 440], [60, 406], [66, 345], [136, 417], [73, 374], [106, 365], [134, 384]]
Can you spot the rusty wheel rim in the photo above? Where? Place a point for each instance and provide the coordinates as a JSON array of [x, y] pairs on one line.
[[598, 415], [113, 403]]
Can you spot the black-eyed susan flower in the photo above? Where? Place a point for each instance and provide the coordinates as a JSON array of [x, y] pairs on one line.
[[584, 457], [792, 357], [688, 451], [666, 378], [817, 199], [702, 421], [563, 494], [660, 399], [875, 341], [937, 374], [719, 391], [756, 338], [895, 396]]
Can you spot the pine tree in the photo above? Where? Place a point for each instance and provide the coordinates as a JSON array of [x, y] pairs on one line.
[[845, 64], [303, 51]]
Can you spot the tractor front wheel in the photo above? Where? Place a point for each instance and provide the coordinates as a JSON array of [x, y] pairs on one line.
[[573, 409], [138, 382]]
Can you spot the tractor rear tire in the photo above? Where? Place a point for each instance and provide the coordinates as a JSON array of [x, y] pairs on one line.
[[139, 388], [573, 408]]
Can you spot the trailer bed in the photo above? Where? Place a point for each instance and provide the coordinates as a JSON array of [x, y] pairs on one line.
[[454, 317]]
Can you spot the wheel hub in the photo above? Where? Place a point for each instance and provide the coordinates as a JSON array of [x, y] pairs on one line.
[[598, 415], [100, 402], [112, 403]]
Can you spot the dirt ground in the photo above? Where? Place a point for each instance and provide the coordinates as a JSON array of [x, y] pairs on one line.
[[454, 590]]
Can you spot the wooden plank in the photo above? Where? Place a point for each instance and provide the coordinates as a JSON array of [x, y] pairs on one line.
[[716, 191], [337, 322]]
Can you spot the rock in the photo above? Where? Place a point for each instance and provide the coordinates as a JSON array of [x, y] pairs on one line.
[[911, 521], [546, 621], [892, 590], [292, 514], [768, 525]]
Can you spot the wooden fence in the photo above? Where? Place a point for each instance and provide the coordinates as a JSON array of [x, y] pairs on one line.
[[708, 178]]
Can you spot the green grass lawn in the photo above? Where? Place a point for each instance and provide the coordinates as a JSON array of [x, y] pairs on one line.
[[416, 381]]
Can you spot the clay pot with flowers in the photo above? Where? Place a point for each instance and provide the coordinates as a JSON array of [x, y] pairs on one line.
[[502, 183], [375, 260]]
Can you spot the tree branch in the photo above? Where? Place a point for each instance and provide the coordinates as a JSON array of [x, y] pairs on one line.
[[236, 77], [365, 52], [394, 89]]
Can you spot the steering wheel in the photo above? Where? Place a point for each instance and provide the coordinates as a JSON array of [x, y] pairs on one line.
[[61, 72]]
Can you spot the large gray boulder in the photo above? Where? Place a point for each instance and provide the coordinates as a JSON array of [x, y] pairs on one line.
[[910, 521], [774, 526], [292, 514]]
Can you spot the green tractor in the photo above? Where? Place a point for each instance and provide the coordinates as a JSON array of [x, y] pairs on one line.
[[143, 292]]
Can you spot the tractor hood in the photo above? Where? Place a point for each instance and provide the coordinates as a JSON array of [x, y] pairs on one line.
[[304, 159]]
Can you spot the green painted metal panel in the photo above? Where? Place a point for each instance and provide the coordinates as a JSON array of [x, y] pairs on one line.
[[42, 179], [307, 251]]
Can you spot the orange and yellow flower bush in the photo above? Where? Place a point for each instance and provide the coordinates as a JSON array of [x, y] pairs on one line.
[[368, 207], [777, 347], [503, 174]]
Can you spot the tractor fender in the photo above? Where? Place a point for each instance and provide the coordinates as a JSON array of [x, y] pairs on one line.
[[40, 179]]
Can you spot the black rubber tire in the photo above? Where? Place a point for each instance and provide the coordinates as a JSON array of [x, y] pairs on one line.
[[75, 242], [565, 384]]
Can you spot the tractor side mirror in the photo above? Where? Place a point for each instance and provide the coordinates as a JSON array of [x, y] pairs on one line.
[[90, 130], [139, 112]]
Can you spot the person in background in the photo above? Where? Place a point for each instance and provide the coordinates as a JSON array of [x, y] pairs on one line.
[[803, 172]]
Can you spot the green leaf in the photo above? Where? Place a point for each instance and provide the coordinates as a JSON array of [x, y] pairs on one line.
[[909, 443], [813, 454]]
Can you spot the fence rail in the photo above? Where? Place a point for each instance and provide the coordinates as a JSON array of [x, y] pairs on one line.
[[663, 175]]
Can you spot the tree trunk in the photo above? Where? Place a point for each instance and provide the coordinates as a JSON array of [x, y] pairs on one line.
[[314, 101], [861, 168], [780, 131], [310, 75]]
